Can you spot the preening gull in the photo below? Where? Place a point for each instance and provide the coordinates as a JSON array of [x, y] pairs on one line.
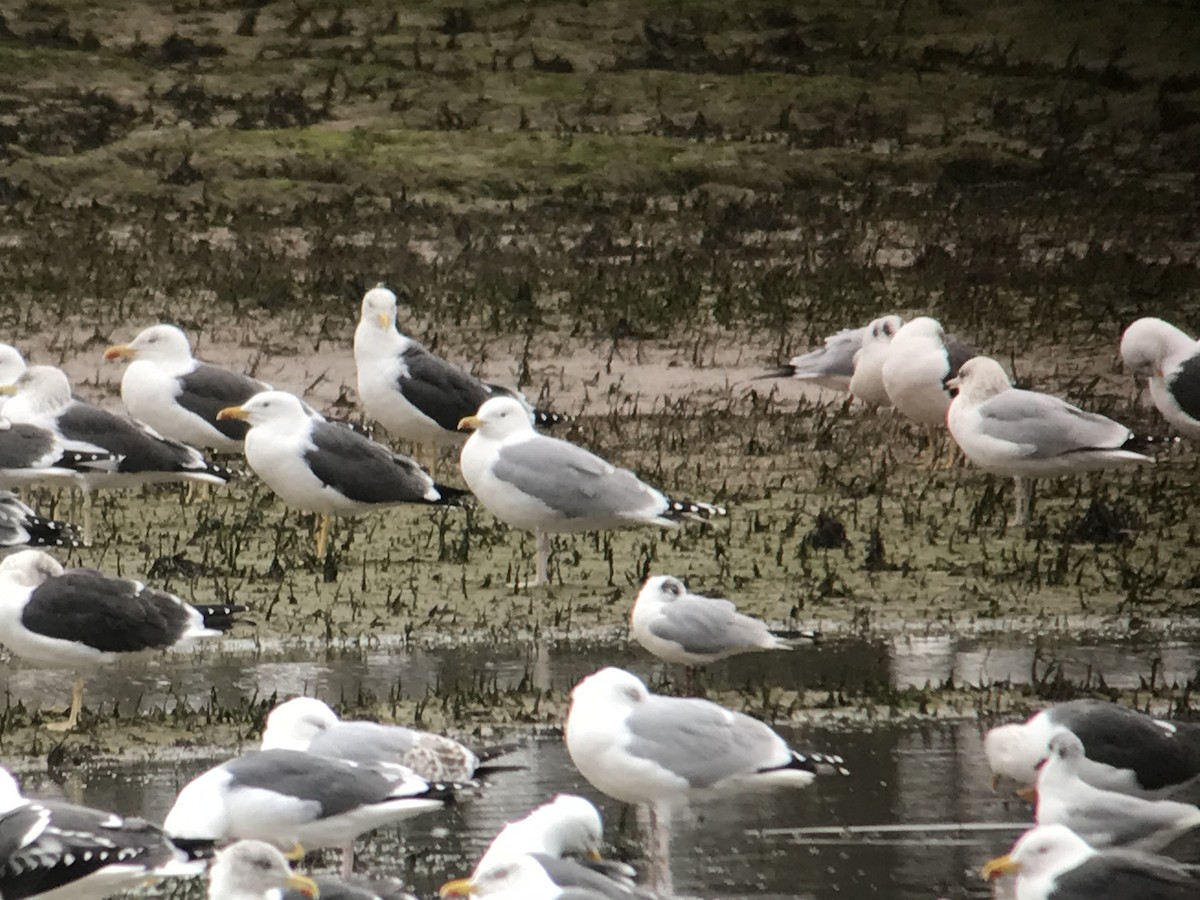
[[179, 396], [42, 397], [308, 725], [659, 751], [255, 870], [681, 627], [415, 395], [546, 485], [866, 385], [325, 467], [1126, 750], [521, 878], [1170, 360], [920, 359], [1104, 818], [31, 455], [286, 797], [21, 526], [830, 365], [1051, 862], [81, 618], [1025, 434], [59, 851], [12, 364]]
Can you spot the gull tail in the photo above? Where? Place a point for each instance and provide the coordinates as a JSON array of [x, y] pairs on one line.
[[547, 419], [219, 616], [692, 509]]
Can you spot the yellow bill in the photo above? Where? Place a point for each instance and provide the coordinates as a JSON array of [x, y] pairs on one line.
[[1001, 865], [232, 412]]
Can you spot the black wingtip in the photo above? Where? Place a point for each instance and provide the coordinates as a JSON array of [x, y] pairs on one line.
[[1152, 443], [693, 509], [451, 496], [195, 848], [818, 763], [779, 372], [52, 533], [548, 419], [220, 616]]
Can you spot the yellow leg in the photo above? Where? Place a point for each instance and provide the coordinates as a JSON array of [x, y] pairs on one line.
[[322, 536], [76, 707]]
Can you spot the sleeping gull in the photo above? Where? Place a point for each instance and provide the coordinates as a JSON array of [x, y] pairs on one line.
[[308, 725], [326, 467], [659, 751], [1126, 750], [681, 627], [1025, 434], [20, 526], [1051, 862], [1104, 818], [179, 396], [544, 485], [59, 851], [829, 366], [415, 395], [1170, 359], [521, 878], [255, 870], [81, 618], [289, 798], [920, 359], [12, 364], [866, 385]]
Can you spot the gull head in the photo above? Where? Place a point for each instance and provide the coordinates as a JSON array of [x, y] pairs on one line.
[[255, 869], [10, 792], [662, 590], [498, 418], [1014, 750], [294, 724], [379, 308], [1066, 750], [1148, 342], [30, 568], [610, 687], [12, 364], [570, 825], [519, 877], [44, 388], [922, 328], [158, 343], [1041, 853], [883, 329], [979, 378], [269, 407]]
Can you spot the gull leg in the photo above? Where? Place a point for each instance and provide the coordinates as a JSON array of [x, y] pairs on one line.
[[85, 503], [348, 860], [76, 707], [1021, 494], [660, 851], [543, 559], [322, 536]]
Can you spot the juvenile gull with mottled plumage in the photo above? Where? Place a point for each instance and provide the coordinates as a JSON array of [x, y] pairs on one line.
[[179, 396], [546, 485], [81, 618], [326, 467]]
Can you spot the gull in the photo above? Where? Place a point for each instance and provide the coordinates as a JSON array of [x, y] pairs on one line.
[[82, 618], [59, 851], [522, 878], [417, 396], [255, 870], [1104, 818], [1025, 434], [326, 467], [1126, 750], [659, 752], [21, 526], [12, 364], [33, 455], [288, 798], [1051, 862], [308, 725], [1170, 360], [546, 485], [866, 385], [179, 396]]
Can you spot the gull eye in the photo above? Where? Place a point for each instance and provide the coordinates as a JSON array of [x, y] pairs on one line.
[[633, 694], [671, 588]]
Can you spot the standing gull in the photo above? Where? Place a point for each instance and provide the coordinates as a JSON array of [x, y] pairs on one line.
[[866, 385], [59, 851], [1104, 818], [415, 395], [546, 485], [325, 467], [20, 526], [1170, 360], [255, 870], [289, 798], [1051, 862], [1024, 434], [308, 725], [659, 751], [1126, 750], [829, 366], [179, 396], [81, 618]]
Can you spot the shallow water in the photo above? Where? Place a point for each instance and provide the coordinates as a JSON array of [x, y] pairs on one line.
[[904, 772]]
